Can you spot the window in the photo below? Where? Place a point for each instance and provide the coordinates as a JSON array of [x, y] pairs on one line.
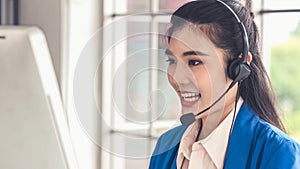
[[280, 30], [138, 102]]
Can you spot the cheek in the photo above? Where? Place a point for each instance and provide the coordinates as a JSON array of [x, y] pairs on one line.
[[202, 80], [172, 81], [214, 81]]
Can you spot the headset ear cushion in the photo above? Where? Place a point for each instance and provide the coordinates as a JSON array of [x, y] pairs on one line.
[[232, 68]]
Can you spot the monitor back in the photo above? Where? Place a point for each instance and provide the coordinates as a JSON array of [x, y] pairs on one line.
[[33, 126]]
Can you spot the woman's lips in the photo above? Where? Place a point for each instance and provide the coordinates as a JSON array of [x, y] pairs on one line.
[[189, 98]]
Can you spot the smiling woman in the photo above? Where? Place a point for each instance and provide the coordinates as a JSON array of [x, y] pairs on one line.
[[142, 111], [199, 76], [208, 54]]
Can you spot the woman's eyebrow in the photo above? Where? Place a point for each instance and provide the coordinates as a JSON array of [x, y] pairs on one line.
[[187, 53], [168, 52]]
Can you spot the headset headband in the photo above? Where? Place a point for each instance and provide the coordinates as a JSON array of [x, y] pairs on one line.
[[243, 31]]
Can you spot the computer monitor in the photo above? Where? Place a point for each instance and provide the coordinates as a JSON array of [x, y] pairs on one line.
[[33, 127]]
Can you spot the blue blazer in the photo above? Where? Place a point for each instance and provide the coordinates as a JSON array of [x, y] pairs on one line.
[[253, 144]]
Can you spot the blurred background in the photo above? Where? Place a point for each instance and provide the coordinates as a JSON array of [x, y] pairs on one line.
[[130, 33]]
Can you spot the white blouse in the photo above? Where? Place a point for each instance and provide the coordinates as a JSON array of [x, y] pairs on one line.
[[207, 153]]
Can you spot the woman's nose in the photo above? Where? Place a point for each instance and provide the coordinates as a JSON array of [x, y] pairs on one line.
[[181, 74]]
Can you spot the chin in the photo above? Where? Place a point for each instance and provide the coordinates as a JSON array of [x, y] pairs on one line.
[[190, 109]]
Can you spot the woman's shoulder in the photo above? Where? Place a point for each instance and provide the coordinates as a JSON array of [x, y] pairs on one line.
[[169, 139], [262, 130], [277, 147], [173, 135], [274, 137], [265, 130], [266, 145]]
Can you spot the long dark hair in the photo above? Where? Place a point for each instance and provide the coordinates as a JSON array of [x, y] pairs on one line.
[[223, 30]]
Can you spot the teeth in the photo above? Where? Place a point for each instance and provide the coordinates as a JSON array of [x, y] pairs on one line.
[[189, 94], [190, 97], [185, 95]]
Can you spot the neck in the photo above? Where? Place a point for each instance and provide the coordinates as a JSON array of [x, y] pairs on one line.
[[216, 116]]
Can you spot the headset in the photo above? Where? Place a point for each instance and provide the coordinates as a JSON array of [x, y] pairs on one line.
[[238, 69]]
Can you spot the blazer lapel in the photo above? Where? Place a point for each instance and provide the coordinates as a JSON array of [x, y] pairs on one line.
[[240, 141]]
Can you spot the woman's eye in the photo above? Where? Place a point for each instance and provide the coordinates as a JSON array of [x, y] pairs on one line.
[[171, 61], [194, 62]]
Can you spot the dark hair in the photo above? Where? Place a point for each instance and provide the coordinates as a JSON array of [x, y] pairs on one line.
[[222, 28]]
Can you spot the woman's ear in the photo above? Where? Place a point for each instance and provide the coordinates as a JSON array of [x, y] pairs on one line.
[[249, 58]]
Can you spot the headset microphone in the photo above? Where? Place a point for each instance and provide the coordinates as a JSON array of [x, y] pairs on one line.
[[189, 118]]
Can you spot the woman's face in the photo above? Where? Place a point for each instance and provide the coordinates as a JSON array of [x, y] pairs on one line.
[[197, 71]]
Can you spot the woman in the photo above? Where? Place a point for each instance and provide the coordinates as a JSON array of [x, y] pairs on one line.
[[238, 125]]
